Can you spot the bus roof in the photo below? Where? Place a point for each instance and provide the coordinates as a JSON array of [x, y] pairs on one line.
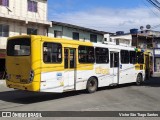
[[50, 39], [75, 42]]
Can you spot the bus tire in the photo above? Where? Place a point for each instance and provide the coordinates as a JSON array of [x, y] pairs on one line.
[[139, 80], [92, 85]]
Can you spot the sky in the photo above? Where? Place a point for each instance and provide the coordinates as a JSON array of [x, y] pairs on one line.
[[105, 15]]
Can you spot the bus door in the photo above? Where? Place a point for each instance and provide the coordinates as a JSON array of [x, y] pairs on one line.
[[70, 68], [114, 65]]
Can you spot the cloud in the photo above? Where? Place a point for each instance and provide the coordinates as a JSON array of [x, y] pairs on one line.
[[110, 20]]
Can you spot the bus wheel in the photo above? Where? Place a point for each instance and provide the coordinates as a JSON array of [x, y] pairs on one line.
[[139, 79], [92, 85]]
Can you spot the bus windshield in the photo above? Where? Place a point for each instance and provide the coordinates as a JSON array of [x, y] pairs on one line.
[[19, 47]]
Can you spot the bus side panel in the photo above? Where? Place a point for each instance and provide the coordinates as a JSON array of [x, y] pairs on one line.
[[104, 74], [36, 62], [52, 82], [99, 71], [52, 75], [84, 72], [127, 73]]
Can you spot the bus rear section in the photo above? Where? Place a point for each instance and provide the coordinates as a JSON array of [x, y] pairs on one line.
[[20, 65]]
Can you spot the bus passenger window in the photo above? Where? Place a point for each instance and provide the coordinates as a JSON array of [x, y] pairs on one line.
[[86, 54], [81, 58], [125, 57], [132, 57], [52, 52], [90, 57], [102, 55]]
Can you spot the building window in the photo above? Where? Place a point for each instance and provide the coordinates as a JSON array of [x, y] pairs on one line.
[[86, 54], [4, 30], [102, 55], [57, 34], [93, 38], [75, 36], [31, 31], [4, 3], [52, 52], [32, 6], [125, 57], [117, 41]]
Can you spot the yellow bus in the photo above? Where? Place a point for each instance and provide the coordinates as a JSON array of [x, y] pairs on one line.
[[145, 64], [43, 64]]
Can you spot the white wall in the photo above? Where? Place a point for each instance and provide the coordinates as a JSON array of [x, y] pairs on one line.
[[19, 8], [16, 28], [124, 40], [67, 33], [19, 11]]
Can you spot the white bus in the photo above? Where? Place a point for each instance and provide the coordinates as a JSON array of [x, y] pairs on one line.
[[42, 64]]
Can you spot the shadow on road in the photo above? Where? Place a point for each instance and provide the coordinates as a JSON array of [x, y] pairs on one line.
[[23, 97], [152, 82]]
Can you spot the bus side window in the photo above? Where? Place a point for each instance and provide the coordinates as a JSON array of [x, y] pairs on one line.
[[102, 55], [81, 58], [52, 52], [90, 56], [133, 57], [86, 54], [125, 57]]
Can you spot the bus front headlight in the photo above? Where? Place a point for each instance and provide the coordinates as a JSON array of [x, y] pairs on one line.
[[31, 76]]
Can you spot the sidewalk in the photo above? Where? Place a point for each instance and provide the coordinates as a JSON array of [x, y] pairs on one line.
[[2, 82], [3, 87], [156, 75]]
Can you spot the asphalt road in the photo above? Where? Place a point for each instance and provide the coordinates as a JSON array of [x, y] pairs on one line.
[[127, 97]]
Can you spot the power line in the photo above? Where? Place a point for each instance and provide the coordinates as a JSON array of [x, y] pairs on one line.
[[154, 3], [156, 26], [150, 9]]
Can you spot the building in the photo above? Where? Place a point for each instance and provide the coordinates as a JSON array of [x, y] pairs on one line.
[[143, 41], [19, 17], [123, 40], [156, 53], [69, 31], [149, 40]]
